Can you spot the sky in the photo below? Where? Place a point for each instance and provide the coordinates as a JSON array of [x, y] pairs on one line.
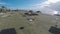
[[21, 4], [47, 3], [46, 6]]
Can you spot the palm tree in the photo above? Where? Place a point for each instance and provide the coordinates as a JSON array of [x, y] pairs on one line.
[[30, 11], [38, 11], [0, 10], [3, 9]]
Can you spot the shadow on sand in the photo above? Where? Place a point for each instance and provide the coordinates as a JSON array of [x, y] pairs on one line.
[[54, 30], [8, 31]]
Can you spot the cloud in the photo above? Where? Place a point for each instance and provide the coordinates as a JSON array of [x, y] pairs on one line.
[[3, 3], [53, 1], [47, 6], [0, 0], [46, 3], [52, 4]]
